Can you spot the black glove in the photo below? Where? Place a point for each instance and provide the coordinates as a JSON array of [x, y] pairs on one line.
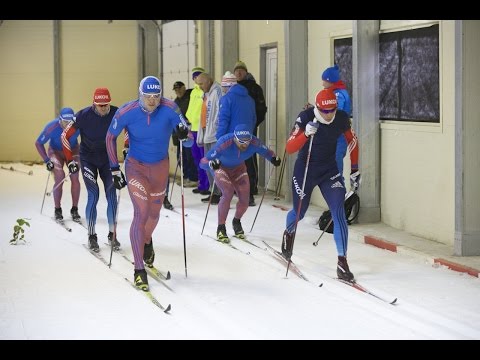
[[182, 131], [50, 165], [276, 161], [214, 164], [125, 152], [73, 167], [118, 178], [175, 140]]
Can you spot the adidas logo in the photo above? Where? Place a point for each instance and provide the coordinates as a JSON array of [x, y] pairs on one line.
[[337, 184]]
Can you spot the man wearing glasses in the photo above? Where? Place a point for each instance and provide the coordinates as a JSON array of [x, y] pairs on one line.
[[227, 160], [149, 121], [315, 136], [55, 159], [93, 123]]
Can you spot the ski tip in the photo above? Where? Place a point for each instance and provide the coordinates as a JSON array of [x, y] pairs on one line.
[[321, 284], [169, 307], [168, 275], [394, 302]]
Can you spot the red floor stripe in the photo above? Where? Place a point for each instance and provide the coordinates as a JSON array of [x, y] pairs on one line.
[[383, 244], [457, 267]]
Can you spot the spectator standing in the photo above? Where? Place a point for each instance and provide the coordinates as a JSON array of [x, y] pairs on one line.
[[331, 80], [246, 79], [193, 116], [212, 93], [236, 107]]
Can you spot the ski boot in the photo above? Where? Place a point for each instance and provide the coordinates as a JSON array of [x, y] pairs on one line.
[[222, 234], [74, 212], [287, 244], [93, 243], [116, 243], [148, 254], [166, 204], [343, 272], [237, 227], [140, 279], [58, 214]]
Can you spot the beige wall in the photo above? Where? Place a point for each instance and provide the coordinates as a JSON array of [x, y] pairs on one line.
[[418, 162], [98, 54], [91, 54], [26, 86], [253, 34]]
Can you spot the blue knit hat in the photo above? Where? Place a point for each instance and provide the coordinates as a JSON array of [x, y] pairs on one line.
[[67, 114], [331, 74], [242, 133]]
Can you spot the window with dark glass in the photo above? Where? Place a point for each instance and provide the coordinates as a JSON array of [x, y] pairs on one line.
[[409, 73]]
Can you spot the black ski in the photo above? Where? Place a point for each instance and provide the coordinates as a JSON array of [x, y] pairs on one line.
[[278, 255], [151, 297], [357, 286], [96, 254]]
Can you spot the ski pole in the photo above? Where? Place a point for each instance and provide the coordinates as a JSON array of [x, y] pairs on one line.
[[174, 179], [115, 222], [114, 228], [208, 207], [282, 170], [302, 194], [183, 207], [59, 184], [45, 192], [325, 228], [263, 196]]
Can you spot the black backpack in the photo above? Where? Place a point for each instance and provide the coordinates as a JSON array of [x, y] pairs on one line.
[[352, 208]]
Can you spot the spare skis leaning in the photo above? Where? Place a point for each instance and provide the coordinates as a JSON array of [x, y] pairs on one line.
[[151, 297]]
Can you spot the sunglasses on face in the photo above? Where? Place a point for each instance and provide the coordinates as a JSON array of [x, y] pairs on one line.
[[243, 142], [102, 106], [325, 111], [151, 96]]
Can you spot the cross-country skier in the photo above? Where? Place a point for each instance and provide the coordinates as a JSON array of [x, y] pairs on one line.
[[149, 121], [227, 160], [93, 122], [55, 159], [325, 123]]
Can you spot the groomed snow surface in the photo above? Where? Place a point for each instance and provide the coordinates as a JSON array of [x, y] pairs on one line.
[[51, 287]]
